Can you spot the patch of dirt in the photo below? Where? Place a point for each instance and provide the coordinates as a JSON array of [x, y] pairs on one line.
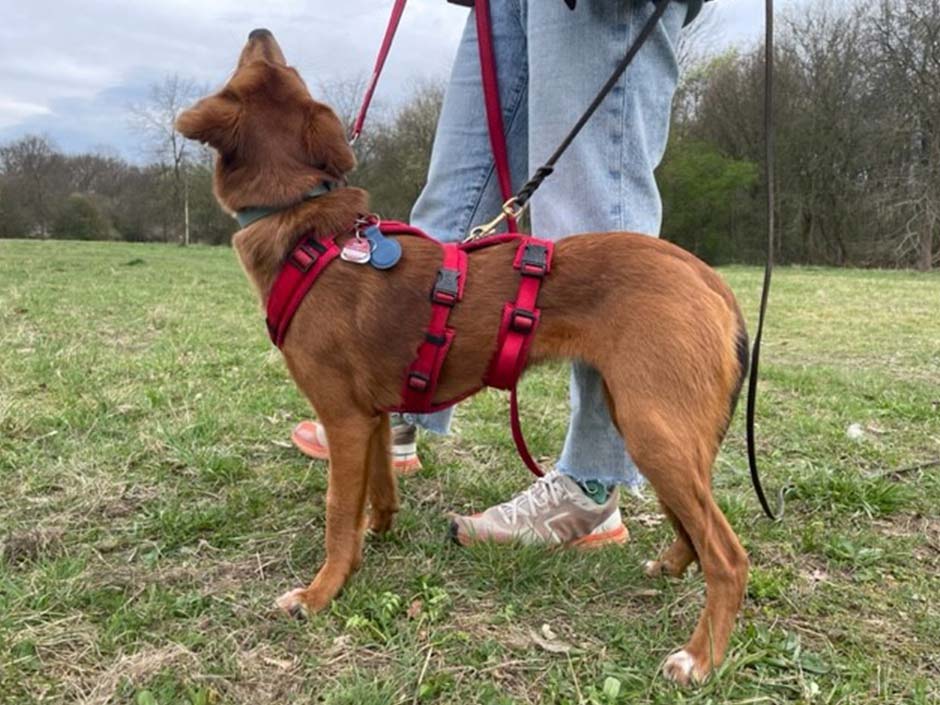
[[136, 668], [126, 502], [25, 547], [214, 575]]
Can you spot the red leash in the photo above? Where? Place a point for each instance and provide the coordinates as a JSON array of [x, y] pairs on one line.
[[494, 110], [397, 9]]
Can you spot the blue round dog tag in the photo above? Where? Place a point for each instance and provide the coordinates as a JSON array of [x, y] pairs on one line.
[[385, 251]]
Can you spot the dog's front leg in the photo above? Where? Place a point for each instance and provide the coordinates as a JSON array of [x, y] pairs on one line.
[[345, 513]]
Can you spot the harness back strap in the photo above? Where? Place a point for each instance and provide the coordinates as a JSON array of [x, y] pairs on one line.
[[520, 316], [423, 373], [304, 264], [516, 332]]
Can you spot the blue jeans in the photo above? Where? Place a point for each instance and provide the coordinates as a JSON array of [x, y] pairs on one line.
[[551, 62]]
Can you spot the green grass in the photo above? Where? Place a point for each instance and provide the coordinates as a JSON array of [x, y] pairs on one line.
[[151, 509]]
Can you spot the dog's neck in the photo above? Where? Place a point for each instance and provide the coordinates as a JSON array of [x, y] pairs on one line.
[[251, 215], [263, 246]]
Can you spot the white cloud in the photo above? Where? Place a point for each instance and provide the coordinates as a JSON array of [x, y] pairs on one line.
[[13, 112]]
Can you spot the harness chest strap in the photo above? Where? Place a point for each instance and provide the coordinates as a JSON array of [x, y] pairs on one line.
[[422, 376], [304, 264]]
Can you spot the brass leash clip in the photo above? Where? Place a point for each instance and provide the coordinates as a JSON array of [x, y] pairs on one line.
[[510, 209]]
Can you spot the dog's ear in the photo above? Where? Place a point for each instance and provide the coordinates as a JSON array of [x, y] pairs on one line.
[[212, 121], [326, 144]]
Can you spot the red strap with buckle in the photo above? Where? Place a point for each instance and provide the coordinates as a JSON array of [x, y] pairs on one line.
[[520, 316], [516, 332], [422, 376], [304, 264]]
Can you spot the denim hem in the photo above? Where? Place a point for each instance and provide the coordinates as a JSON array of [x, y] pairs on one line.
[[432, 423], [633, 484]]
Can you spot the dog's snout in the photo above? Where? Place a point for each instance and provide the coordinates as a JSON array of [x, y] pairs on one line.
[[260, 33]]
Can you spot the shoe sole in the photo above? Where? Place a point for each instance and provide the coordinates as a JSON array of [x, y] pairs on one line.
[[408, 465], [616, 536]]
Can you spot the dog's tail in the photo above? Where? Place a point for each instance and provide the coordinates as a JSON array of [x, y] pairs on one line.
[[742, 349], [742, 353]]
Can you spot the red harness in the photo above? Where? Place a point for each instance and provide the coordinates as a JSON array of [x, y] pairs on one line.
[[533, 260], [517, 328]]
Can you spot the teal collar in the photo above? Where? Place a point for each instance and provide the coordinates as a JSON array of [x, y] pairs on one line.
[[247, 216]]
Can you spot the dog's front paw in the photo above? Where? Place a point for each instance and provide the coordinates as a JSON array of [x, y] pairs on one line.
[[381, 521], [681, 668], [292, 603]]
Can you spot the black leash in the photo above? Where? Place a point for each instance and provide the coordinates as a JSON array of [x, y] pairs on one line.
[[769, 267]]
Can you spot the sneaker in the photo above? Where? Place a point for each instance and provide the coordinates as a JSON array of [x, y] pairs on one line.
[[310, 438], [555, 511]]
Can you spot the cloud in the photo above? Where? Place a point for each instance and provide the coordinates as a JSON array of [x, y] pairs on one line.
[[13, 112]]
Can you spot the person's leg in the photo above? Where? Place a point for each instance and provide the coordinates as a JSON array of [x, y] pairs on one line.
[[462, 188], [605, 180]]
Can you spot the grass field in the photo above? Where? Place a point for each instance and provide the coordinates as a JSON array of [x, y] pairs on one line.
[[151, 509]]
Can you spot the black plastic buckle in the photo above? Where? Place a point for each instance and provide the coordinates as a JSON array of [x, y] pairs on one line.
[[306, 255], [418, 381], [522, 320], [446, 287], [534, 261]]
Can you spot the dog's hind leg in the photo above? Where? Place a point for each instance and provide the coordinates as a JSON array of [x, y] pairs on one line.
[[676, 559], [676, 462], [383, 485], [345, 512], [681, 553]]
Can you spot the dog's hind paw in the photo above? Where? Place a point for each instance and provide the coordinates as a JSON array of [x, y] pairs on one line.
[[292, 603], [680, 668]]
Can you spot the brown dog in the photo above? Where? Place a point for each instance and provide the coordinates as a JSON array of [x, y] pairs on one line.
[[661, 327]]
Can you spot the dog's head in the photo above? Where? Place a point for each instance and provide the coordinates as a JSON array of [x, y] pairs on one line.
[[274, 141]]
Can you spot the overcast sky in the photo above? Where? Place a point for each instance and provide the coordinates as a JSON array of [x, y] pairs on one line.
[[70, 69]]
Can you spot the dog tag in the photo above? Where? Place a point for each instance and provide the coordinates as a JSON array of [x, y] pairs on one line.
[[385, 251], [357, 250]]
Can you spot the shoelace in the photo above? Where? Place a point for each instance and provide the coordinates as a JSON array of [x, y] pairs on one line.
[[527, 503]]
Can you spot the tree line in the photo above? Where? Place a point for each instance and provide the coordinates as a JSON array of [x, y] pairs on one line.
[[857, 142], [858, 151]]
